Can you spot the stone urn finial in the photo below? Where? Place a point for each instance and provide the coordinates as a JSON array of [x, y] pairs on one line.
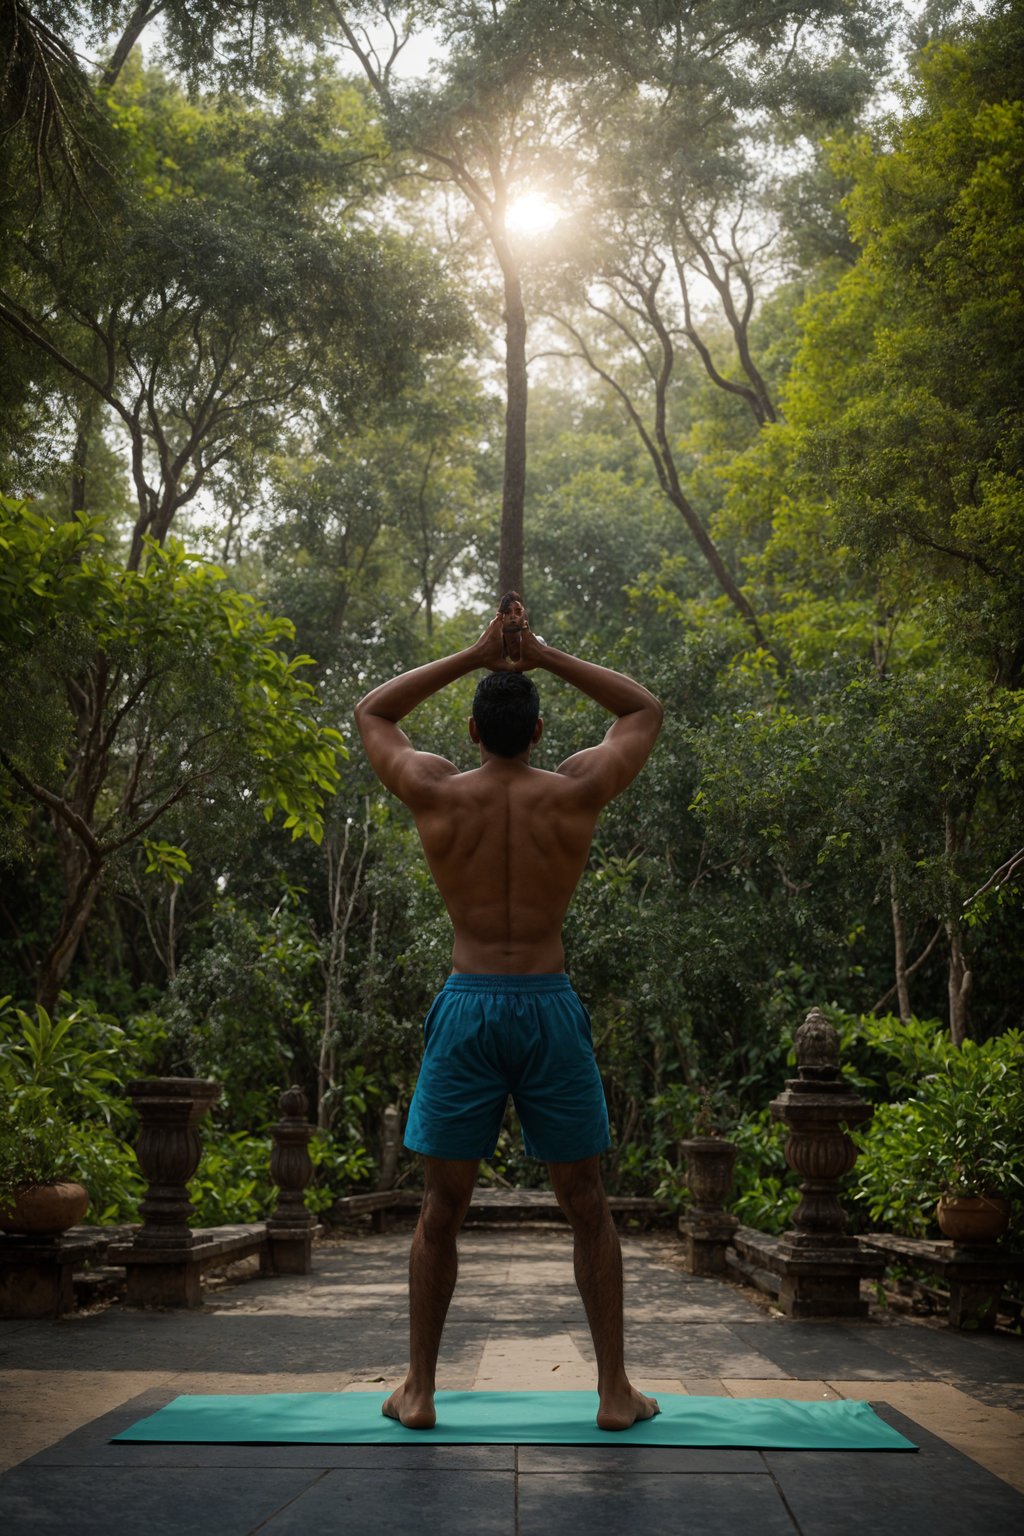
[[293, 1103], [817, 1046]]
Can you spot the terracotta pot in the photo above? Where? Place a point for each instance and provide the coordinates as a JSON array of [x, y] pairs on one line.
[[974, 1218], [43, 1210]]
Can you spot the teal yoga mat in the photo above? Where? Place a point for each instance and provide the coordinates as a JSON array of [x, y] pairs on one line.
[[518, 1418]]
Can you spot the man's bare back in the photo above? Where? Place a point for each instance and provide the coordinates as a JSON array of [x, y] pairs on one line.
[[506, 844]]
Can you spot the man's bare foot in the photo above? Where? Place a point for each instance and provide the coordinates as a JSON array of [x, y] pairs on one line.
[[413, 1409], [621, 1409]]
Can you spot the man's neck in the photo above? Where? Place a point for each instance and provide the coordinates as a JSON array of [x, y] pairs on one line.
[[521, 759]]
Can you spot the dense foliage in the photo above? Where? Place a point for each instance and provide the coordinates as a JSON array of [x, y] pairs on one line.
[[257, 292]]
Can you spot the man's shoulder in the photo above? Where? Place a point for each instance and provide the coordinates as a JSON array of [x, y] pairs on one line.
[[470, 783]]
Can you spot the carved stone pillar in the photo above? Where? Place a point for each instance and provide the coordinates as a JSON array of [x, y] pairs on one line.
[[162, 1263], [168, 1149], [822, 1266], [707, 1227], [291, 1228]]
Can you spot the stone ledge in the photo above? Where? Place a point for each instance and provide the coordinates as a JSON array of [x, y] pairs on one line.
[[207, 1244], [811, 1281], [78, 1244], [514, 1205], [975, 1274], [954, 1261]]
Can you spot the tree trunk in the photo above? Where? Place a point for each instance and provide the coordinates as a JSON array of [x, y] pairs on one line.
[[58, 962], [960, 977], [78, 467], [899, 933], [172, 938], [140, 19], [342, 898], [510, 559], [960, 980]]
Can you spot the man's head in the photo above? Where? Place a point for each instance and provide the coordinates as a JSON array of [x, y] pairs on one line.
[[506, 708]]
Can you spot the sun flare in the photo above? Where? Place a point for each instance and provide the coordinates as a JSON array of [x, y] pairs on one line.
[[532, 213]]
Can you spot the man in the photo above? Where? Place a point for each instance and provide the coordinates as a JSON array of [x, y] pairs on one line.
[[506, 844]]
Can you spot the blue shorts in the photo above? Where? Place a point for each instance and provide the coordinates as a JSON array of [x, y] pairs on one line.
[[486, 1037]]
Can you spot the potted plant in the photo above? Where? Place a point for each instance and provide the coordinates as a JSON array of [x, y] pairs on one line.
[[38, 1197], [956, 1147], [710, 1158]]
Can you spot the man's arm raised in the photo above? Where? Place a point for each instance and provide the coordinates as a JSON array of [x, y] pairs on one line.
[[409, 774], [604, 771]]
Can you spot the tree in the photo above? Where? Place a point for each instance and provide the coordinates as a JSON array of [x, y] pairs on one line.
[[126, 693], [919, 441], [230, 289], [679, 239], [233, 284], [484, 130], [882, 512], [912, 366], [525, 95]]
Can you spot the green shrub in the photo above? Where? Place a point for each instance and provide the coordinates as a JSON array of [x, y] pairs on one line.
[[961, 1133], [339, 1161], [63, 1077], [33, 1142], [232, 1182], [108, 1168], [80, 1056], [766, 1193]]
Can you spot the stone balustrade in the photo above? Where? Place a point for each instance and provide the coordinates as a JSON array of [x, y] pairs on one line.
[[165, 1260], [818, 1265]]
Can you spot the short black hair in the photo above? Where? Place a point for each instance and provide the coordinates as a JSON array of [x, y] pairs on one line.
[[505, 708]]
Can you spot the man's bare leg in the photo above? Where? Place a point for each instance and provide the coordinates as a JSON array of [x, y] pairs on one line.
[[433, 1269], [597, 1258]]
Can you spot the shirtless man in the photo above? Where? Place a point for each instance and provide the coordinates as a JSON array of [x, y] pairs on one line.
[[506, 844]]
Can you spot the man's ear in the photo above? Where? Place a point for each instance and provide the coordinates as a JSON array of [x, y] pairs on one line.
[[538, 731], [474, 731]]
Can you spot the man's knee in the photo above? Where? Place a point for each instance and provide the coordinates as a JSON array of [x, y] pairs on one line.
[[580, 1192], [446, 1200]]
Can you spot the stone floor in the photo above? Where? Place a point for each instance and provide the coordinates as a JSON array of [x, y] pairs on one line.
[[516, 1322]]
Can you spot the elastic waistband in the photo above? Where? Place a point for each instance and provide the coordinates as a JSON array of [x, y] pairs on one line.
[[473, 981]]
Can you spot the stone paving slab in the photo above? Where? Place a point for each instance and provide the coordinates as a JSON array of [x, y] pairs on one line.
[[636, 1459], [164, 1501], [656, 1503], [450, 1502], [125, 1488], [709, 1349], [938, 1492], [999, 1395], [67, 1386], [823, 1349], [974, 1360], [992, 1436]]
